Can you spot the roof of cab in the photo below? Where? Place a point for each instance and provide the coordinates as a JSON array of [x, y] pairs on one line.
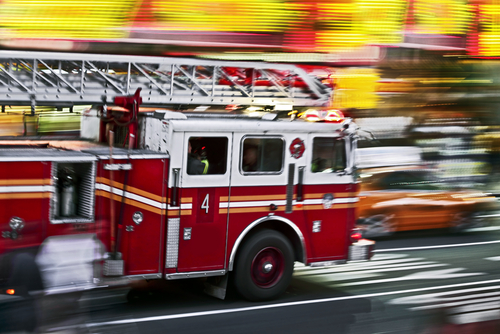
[[239, 123]]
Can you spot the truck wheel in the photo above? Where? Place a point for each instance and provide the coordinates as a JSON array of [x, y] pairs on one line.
[[264, 266]]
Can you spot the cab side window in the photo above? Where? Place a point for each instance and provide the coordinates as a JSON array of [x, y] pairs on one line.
[[207, 155], [261, 155], [329, 155]]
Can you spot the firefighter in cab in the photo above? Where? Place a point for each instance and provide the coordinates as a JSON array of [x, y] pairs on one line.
[[197, 160]]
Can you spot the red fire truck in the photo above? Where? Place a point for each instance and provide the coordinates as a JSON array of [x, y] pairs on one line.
[[203, 195]]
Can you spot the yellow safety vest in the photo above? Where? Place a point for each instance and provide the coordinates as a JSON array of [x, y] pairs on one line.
[[205, 162]]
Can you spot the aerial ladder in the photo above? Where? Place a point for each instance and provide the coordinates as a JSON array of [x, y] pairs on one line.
[[70, 79]]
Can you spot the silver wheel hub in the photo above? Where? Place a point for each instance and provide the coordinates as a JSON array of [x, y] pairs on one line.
[[267, 267]]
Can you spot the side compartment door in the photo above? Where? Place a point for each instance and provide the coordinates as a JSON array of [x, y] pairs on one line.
[[139, 200], [205, 177], [329, 197]]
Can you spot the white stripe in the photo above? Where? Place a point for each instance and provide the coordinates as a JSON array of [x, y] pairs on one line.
[[362, 265], [274, 306], [468, 318], [458, 303], [247, 204], [26, 189], [364, 269], [494, 258], [438, 246], [119, 192], [438, 274], [335, 201], [485, 304], [183, 206], [433, 297], [333, 277]]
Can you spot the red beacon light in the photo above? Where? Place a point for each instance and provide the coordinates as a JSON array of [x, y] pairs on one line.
[[312, 115], [330, 115], [334, 115]]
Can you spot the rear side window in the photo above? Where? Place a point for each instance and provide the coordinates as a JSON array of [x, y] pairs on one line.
[[207, 155], [261, 155], [328, 155]]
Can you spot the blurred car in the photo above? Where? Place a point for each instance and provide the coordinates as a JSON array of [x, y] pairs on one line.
[[394, 199]]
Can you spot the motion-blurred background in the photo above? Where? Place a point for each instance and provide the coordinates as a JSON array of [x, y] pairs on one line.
[[414, 73]]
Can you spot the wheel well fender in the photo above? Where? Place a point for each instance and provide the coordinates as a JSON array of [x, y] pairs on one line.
[[277, 223]]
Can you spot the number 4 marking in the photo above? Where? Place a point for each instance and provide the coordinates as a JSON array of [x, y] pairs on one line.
[[204, 205]]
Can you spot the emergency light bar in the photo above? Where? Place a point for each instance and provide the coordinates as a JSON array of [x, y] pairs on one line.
[[331, 115]]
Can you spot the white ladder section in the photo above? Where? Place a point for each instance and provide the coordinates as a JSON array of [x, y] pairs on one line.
[[48, 78]]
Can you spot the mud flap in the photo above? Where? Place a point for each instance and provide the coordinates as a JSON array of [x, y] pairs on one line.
[[216, 286]]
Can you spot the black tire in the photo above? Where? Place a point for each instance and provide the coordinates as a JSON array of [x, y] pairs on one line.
[[264, 266]]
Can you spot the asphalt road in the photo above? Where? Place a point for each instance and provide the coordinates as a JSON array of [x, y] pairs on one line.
[[416, 283]]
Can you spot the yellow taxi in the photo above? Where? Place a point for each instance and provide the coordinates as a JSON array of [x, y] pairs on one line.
[[404, 198]]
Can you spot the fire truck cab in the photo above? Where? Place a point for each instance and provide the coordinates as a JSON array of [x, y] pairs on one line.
[[204, 196]]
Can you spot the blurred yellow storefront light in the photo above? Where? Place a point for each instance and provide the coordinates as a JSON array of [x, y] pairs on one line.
[[93, 19], [451, 17], [489, 38], [226, 15]]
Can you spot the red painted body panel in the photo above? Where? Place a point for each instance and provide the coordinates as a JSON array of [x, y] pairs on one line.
[[206, 248], [142, 245], [337, 222], [31, 205], [215, 223]]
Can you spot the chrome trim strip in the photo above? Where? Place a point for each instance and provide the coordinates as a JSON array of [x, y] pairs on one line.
[[257, 222], [196, 274], [123, 280], [172, 248], [326, 263]]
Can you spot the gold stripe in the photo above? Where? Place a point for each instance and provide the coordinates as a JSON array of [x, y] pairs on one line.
[[186, 199], [185, 212], [136, 191], [130, 202], [25, 195], [23, 182]]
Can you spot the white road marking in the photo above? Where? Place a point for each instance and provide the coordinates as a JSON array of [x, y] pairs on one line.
[[359, 266], [479, 306], [461, 308], [440, 296], [349, 276], [366, 268], [435, 274], [436, 246], [465, 302], [274, 306], [494, 258], [483, 229], [355, 275], [467, 318]]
